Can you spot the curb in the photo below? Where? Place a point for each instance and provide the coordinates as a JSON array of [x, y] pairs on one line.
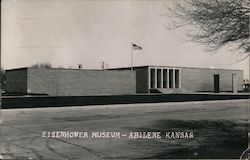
[[113, 106]]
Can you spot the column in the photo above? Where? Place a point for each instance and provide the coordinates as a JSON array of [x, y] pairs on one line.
[[168, 78], [179, 78], [161, 77], [173, 78], [155, 78], [149, 79]]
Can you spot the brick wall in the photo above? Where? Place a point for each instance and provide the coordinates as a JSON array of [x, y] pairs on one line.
[[16, 81], [191, 79], [69, 82], [196, 79], [142, 80]]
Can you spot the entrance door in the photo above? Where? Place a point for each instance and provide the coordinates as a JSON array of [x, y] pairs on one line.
[[216, 83], [235, 82]]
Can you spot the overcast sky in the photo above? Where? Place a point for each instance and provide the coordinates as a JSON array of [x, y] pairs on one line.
[[71, 32]]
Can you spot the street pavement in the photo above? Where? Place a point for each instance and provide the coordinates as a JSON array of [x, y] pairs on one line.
[[219, 130]]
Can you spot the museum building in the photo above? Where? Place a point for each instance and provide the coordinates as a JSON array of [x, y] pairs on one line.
[[169, 79], [122, 81]]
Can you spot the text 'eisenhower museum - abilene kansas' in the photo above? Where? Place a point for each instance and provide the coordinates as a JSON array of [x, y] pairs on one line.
[[121, 81]]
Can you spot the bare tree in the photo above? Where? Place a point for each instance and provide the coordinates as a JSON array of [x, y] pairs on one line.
[[41, 65], [217, 23]]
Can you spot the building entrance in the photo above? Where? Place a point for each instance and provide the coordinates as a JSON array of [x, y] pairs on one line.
[[216, 83]]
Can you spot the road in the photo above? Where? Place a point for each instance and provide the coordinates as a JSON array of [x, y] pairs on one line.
[[219, 131]]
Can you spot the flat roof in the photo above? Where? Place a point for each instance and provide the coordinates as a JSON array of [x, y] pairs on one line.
[[145, 66], [75, 69], [120, 68]]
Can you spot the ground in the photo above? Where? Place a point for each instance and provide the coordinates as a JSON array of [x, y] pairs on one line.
[[219, 129]]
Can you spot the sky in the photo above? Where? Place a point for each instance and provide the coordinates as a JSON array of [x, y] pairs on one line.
[[66, 33]]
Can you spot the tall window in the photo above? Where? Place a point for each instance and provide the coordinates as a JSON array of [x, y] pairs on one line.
[[152, 78], [177, 79], [158, 78], [165, 76], [171, 84]]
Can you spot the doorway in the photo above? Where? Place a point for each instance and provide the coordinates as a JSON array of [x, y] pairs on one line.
[[234, 83], [216, 83]]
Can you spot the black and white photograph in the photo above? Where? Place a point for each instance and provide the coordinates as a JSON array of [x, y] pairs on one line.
[[124, 79]]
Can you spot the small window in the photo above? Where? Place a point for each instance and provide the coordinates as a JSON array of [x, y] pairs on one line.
[[177, 80], [158, 78], [165, 76], [171, 80], [152, 78]]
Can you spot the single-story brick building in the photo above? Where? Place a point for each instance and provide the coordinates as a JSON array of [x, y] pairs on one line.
[[169, 79], [68, 82], [119, 81]]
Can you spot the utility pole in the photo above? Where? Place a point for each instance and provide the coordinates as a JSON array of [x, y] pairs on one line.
[[132, 76]]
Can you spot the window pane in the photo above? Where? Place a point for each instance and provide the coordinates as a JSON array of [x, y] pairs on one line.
[[158, 78], [171, 78], [165, 75], [152, 78], [177, 79]]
